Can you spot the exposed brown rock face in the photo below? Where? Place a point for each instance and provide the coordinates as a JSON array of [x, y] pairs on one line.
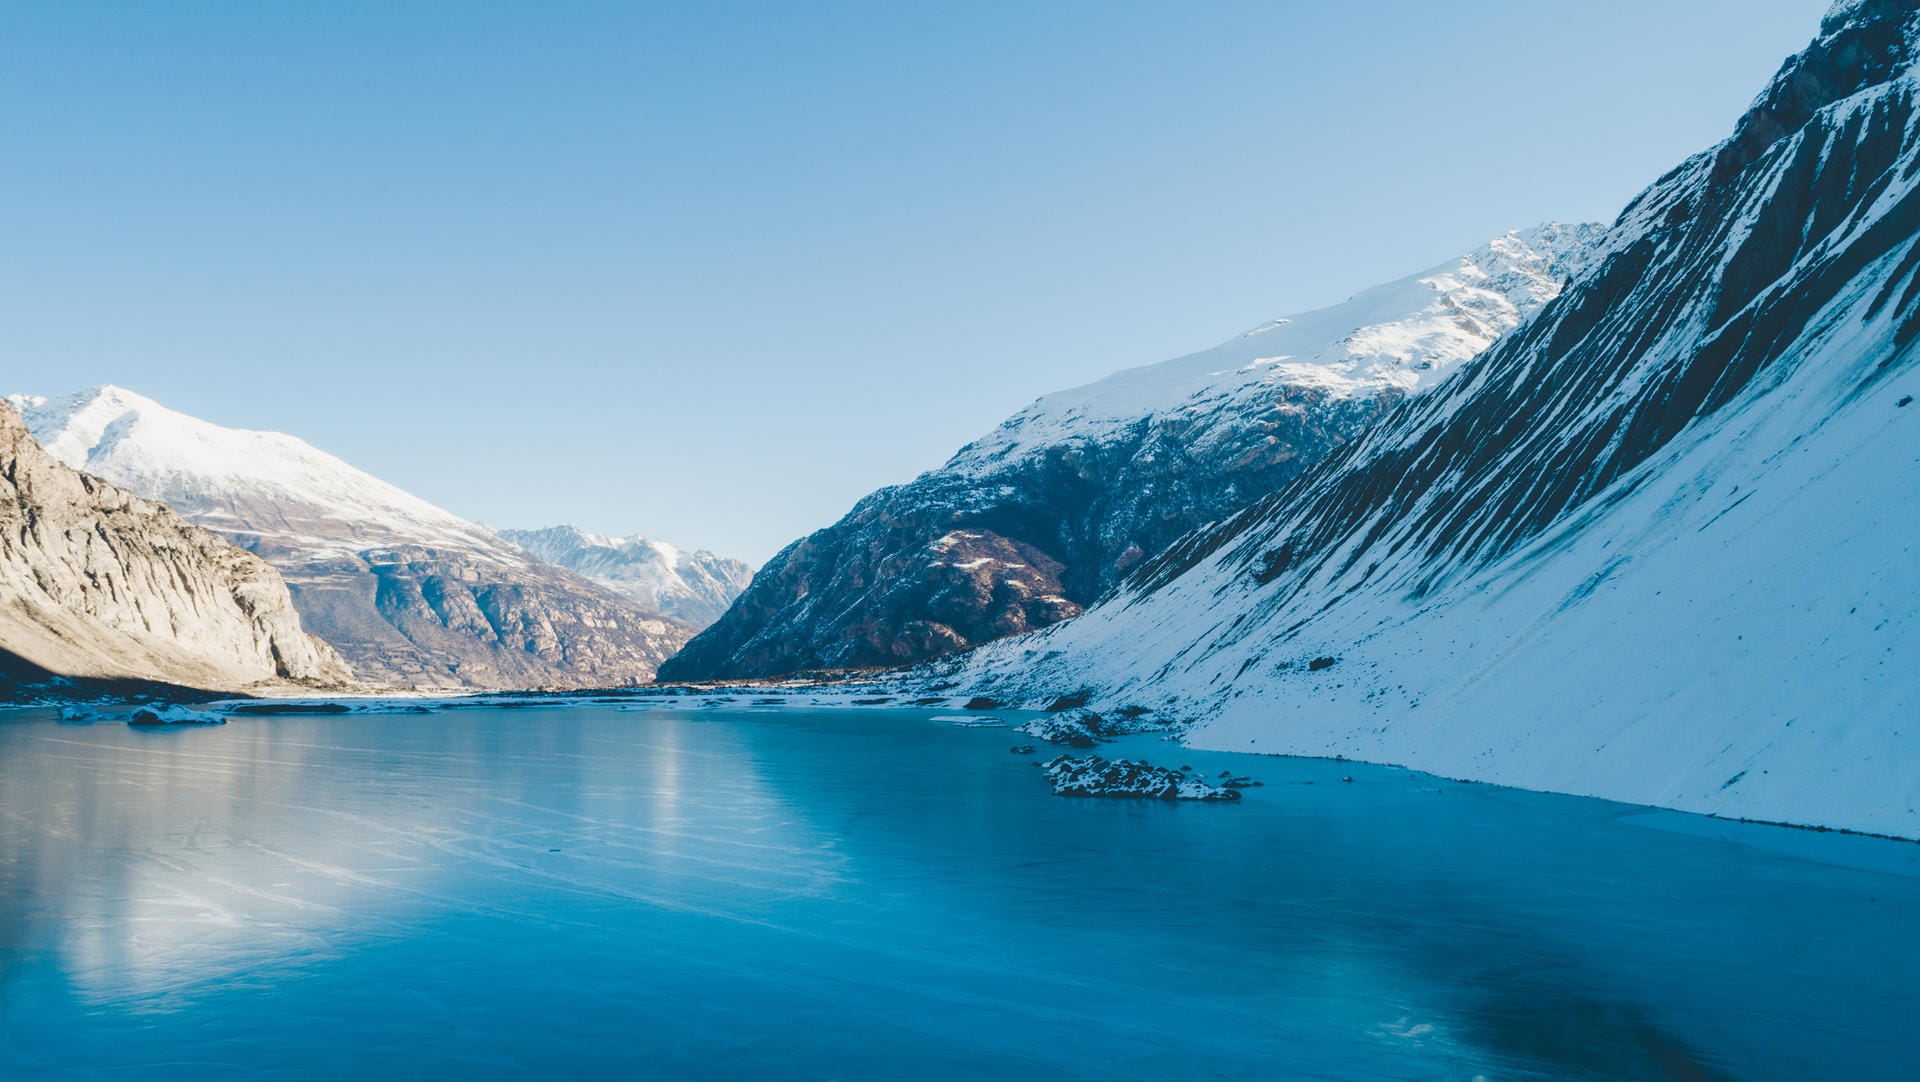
[[423, 617], [967, 586], [956, 559], [96, 582]]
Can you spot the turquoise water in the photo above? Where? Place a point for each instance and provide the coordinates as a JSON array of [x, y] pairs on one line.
[[678, 892]]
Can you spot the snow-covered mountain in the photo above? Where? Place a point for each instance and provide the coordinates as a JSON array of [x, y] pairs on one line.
[[288, 493], [1659, 545], [1391, 340], [410, 594], [1047, 512], [692, 586], [97, 584]]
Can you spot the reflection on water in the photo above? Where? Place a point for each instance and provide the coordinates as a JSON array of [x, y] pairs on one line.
[[710, 893], [159, 860]]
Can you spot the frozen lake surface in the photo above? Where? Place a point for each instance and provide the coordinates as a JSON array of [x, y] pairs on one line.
[[679, 892]]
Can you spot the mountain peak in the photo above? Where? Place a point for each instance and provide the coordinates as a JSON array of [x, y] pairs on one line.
[[1399, 337], [201, 468], [694, 586], [1862, 44], [412, 594]]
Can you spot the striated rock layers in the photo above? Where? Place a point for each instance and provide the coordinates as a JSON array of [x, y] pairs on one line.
[[97, 583]]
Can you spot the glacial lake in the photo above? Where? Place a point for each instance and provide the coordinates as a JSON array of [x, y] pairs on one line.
[[679, 891]]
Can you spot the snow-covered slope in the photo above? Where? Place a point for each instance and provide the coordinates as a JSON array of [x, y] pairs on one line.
[[98, 584], [1658, 545], [694, 587], [410, 594], [1393, 339], [305, 501], [1044, 514]]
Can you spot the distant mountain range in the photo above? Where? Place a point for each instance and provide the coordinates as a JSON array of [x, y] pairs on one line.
[[410, 595], [1042, 516], [1659, 544], [694, 587]]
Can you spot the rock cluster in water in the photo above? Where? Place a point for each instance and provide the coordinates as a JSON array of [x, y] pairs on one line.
[[1095, 776], [1079, 727]]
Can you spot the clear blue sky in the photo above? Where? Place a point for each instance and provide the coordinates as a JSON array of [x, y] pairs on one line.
[[712, 272]]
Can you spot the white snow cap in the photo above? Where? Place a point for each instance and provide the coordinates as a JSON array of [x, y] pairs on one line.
[[1403, 337], [206, 471]]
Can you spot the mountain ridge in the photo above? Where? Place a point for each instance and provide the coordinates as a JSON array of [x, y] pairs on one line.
[[694, 586], [411, 594], [1042, 515], [1653, 546]]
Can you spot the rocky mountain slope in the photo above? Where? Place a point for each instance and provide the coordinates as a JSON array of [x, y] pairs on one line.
[[410, 594], [99, 584], [694, 587], [1027, 525], [1658, 545]]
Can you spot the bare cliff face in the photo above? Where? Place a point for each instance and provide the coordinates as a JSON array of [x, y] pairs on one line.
[[415, 616], [97, 583]]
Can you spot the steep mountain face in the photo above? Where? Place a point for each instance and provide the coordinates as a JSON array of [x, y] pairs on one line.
[[1657, 545], [694, 587], [410, 594], [1047, 512], [100, 584]]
